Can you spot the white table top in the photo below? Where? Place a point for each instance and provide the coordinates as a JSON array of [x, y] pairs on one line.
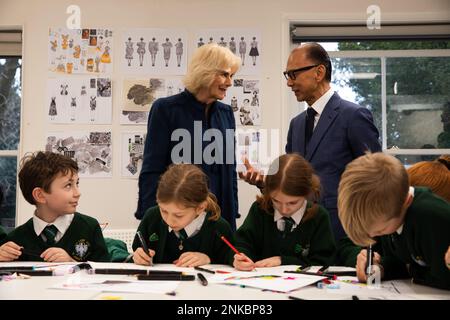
[[40, 288]]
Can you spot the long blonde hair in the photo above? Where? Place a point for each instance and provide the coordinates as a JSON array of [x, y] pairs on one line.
[[187, 185]]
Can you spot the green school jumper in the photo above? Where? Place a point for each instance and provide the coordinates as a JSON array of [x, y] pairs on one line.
[[310, 243], [167, 245], [2, 236], [83, 240], [422, 244]]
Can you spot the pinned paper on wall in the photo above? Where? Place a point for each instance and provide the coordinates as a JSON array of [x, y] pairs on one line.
[[132, 153], [154, 51], [91, 150], [244, 43], [79, 100], [80, 50], [244, 97], [139, 94]]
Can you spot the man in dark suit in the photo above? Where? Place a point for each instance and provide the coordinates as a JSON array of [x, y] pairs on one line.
[[331, 132]]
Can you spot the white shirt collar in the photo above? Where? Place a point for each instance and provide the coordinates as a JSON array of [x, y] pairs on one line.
[[62, 223], [297, 216], [411, 192], [320, 103], [194, 227]]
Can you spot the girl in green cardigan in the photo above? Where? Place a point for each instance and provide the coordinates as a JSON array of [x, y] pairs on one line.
[[183, 229], [285, 225]]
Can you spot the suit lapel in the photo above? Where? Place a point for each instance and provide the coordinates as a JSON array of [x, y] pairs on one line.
[[329, 114]]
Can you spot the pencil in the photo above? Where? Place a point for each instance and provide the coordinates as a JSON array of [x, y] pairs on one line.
[[233, 248]]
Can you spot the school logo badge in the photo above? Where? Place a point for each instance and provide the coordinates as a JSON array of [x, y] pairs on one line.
[[153, 237], [81, 249], [304, 251]]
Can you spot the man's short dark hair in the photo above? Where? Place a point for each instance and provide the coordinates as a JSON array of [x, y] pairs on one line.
[[316, 53]]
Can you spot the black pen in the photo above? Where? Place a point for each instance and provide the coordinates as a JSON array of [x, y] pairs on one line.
[[202, 279], [327, 275], [322, 269], [204, 270], [134, 272], [31, 253], [144, 245], [166, 277]]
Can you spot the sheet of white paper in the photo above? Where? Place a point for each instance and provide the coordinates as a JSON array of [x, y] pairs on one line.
[[264, 279]]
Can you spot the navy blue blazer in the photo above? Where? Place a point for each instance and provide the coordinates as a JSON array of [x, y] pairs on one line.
[[344, 132], [179, 112]]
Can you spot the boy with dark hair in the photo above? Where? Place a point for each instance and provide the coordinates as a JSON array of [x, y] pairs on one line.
[[56, 232]]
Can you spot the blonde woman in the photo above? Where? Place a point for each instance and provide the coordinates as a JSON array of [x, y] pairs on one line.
[[208, 77]]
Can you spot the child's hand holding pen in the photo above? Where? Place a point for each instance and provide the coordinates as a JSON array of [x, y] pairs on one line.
[[243, 263], [361, 265], [143, 258]]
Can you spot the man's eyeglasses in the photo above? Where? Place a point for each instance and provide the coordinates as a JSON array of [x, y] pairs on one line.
[[291, 74]]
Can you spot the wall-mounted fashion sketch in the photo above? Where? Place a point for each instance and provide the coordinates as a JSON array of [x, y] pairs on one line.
[[244, 98], [132, 153], [133, 117], [91, 150], [80, 50], [247, 146], [79, 100], [154, 51], [244, 43], [138, 95]]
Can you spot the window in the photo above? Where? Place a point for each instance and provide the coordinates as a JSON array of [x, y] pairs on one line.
[[404, 82], [10, 107]]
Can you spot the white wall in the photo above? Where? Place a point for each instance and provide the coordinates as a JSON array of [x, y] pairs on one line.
[[114, 200]]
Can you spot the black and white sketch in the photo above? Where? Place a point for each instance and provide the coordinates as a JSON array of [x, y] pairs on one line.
[[254, 50], [244, 43], [139, 94], [91, 150], [179, 51], [232, 45], [129, 51], [153, 49], [79, 100], [141, 51], [167, 48], [132, 153], [244, 98], [52, 111], [166, 51], [242, 50]]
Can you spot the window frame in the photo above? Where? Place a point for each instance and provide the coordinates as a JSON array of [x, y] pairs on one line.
[[11, 46]]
